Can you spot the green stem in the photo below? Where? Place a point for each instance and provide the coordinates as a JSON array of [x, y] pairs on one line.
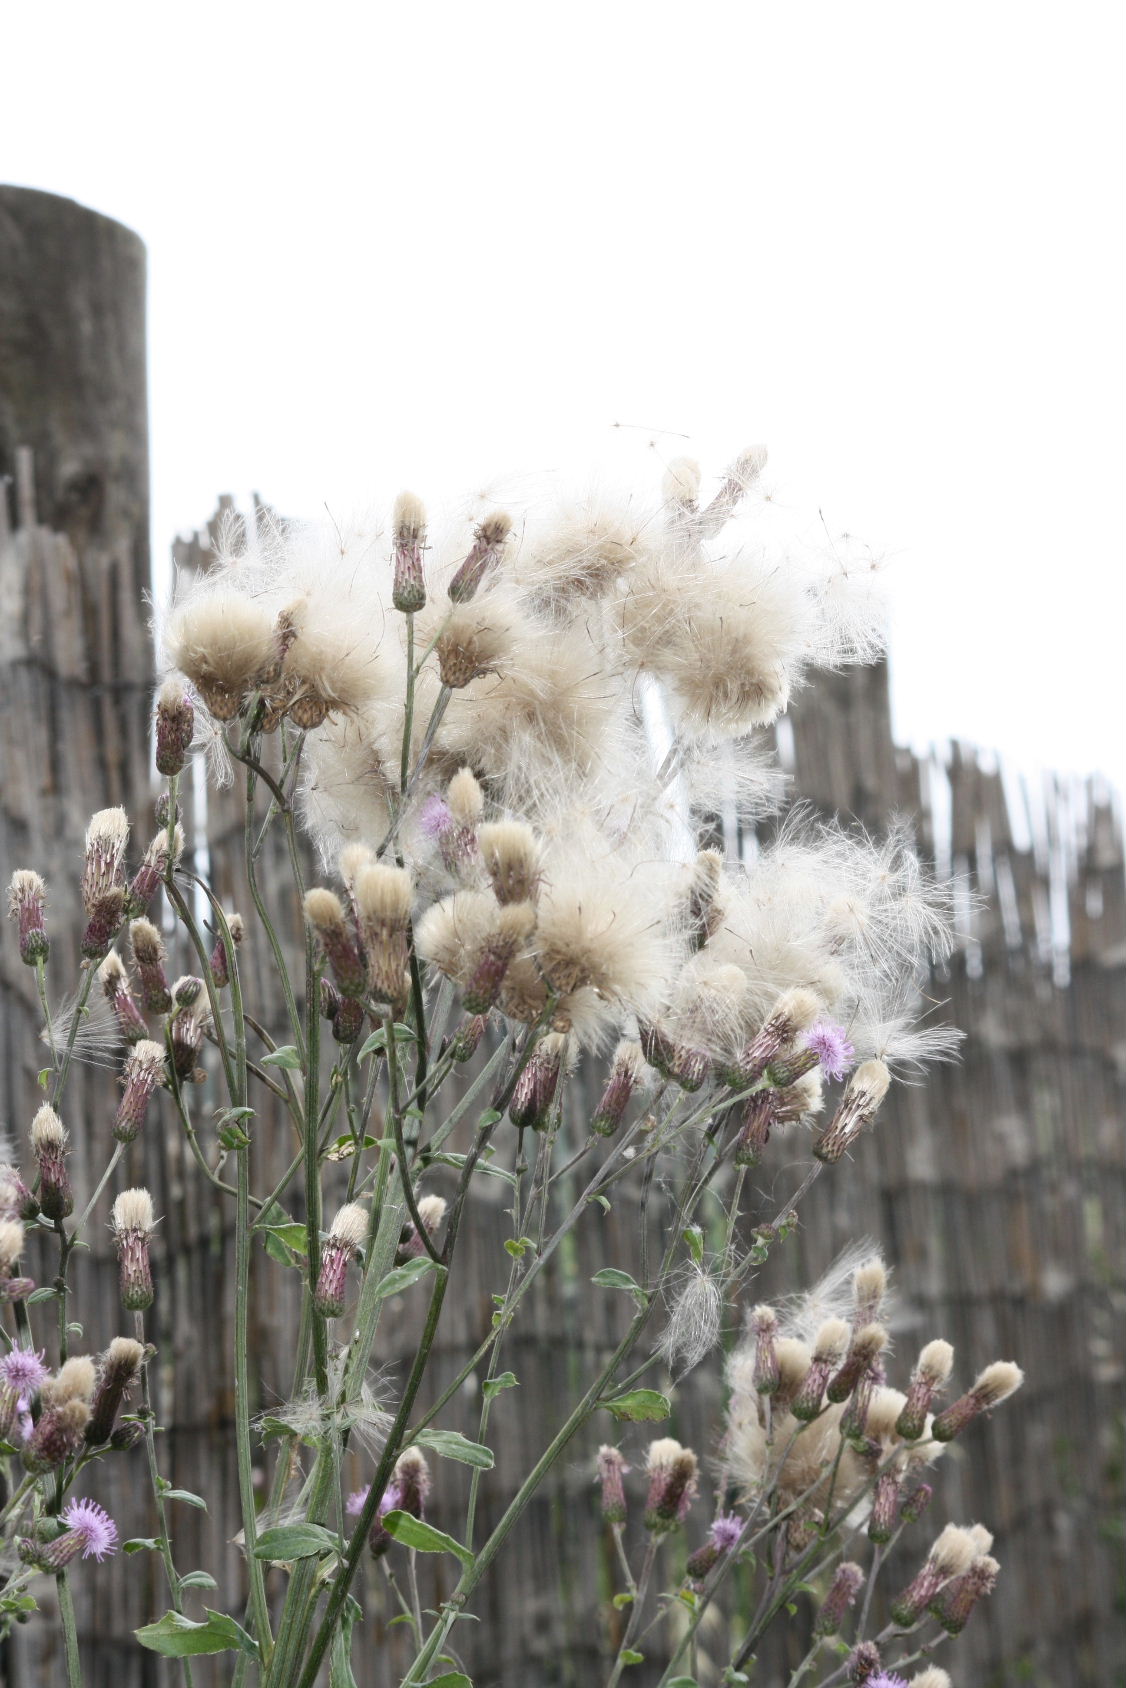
[[70, 1631], [171, 1576], [346, 1574]]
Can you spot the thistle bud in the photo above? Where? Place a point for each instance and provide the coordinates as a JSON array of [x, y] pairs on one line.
[[466, 1039], [325, 914], [724, 1533], [764, 1323], [115, 987], [866, 1347], [787, 1071], [153, 871], [121, 1366], [951, 1556], [995, 1383], [863, 1663], [330, 1000], [792, 1014], [144, 1070], [511, 853], [673, 1482], [828, 1352], [106, 912], [511, 927], [929, 1375], [488, 542], [755, 1120], [916, 1503], [27, 899], [847, 1582], [867, 1089], [383, 896], [431, 1210], [187, 1031], [954, 1605], [187, 991], [133, 1225], [57, 1437], [624, 1076], [220, 961], [149, 958], [345, 1239], [794, 1360], [704, 909], [175, 724], [408, 591], [348, 1021], [103, 867], [410, 1486], [126, 1436], [611, 1469], [885, 1507], [50, 1146], [535, 1088]]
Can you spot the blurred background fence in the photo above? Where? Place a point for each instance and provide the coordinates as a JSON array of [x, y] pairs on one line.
[[997, 1188]]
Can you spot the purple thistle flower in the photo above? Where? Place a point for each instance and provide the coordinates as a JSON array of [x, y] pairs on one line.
[[94, 1526], [392, 1495], [23, 1371], [435, 817], [831, 1046], [887, 1679], [725, 1530]]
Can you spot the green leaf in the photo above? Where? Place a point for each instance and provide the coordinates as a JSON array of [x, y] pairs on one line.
[[451, 1444], [44, 1079], [377, 1042], [177, 1637], [416, 1533], [185, 1494], [484, 1166], [603, 1202], [296, 1541], [631, 1657], [198, 1579], [694, 1237], [287, 1056], [44, 1294], [451, 1679], [621, 1600], [611, 1278], [518, 1247], [292, 1235], [494, 1385], [403, 1277], [682, 1682], [143, 1544], [639, 1404]]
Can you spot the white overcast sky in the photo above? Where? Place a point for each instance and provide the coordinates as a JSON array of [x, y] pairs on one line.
[[415, 245]]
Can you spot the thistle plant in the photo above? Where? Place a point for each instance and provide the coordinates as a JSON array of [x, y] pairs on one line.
[[516, 748]]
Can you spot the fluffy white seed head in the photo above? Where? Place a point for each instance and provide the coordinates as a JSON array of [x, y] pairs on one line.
[[353, 858], [465, 798], [133, 1212], [681, 486], [48, 1134], [350, 1226], [936, 1361], [383, 895], [108, 832], [125, 1354], [954, 1551], [11, 1244], [74, 1381], [409, 517], [511, 854], [831, 1341], [324, 910], [223, 641], [998, 1381], [432, 1210]]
